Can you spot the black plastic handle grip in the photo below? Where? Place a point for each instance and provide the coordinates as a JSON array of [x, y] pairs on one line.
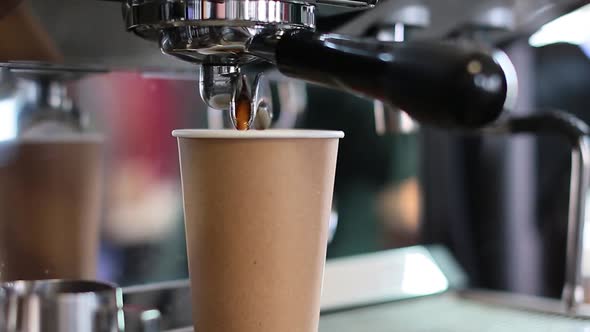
[[442, 84]]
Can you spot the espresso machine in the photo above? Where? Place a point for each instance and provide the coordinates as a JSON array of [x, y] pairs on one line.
[[420, 69]]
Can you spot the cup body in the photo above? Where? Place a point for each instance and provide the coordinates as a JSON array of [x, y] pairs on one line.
[[257, 208]]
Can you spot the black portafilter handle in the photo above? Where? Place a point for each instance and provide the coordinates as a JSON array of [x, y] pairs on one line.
[[442, 84]]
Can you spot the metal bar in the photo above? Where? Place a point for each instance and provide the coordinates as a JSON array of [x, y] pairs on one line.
[[573, 291], [564, 125]]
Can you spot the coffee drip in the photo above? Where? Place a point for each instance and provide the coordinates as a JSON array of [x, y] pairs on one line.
[[250, 106], [243, 109]]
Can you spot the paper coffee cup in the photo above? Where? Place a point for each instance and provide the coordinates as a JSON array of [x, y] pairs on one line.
[[257, 207]]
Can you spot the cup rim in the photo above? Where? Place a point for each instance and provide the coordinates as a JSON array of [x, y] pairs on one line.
[[256, 134]]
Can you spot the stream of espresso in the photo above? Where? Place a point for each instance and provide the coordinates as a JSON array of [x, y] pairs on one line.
[[243, 110]]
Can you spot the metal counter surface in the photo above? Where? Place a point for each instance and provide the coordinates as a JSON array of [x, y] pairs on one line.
[[446, 313]]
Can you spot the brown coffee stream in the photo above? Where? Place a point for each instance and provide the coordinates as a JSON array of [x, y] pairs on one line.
[[243, 110]]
